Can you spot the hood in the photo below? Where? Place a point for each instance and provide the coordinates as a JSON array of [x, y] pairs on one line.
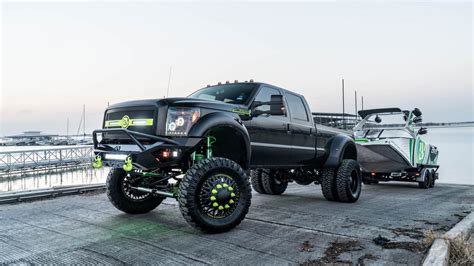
[[176, 102]]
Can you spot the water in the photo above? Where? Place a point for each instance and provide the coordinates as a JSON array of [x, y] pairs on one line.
[[456, 153], [455, 145], [54, 178]]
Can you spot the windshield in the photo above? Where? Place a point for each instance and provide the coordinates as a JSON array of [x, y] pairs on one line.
[[382, 133], [385, 120], [229, 93]]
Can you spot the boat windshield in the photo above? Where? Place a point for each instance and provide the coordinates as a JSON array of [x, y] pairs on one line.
[[386, 120], [384, 126], [379, 133], [238, 93]]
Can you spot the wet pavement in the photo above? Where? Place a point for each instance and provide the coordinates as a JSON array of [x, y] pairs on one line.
[[386, 226]]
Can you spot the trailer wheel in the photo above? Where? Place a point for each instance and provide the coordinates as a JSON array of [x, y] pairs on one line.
[[271, 184], [214, 195], [433, 179], [426, 180], [126, 199], [348, 181], [256, 181], [328, 184]]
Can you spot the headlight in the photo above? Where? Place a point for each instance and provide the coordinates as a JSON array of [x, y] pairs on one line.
[[180, 120]]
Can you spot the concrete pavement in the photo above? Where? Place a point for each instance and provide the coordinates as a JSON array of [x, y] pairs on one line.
[[296, 227]]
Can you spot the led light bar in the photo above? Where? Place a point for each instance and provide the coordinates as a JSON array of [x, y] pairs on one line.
[[115, 157]]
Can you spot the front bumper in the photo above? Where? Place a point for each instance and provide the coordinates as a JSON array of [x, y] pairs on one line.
[[143, 156]]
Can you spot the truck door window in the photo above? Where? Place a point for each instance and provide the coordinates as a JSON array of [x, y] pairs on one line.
[[297, 108], [264, 95]]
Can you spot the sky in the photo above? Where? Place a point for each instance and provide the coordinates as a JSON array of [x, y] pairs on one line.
[[58, 56]]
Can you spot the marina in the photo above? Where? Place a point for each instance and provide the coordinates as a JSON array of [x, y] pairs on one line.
[[22, 161]]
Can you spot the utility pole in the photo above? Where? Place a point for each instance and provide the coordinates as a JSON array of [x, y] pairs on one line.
[[169, 81], [84, 114], [362, 103], [355, 99], [67, 128], [343, 107]]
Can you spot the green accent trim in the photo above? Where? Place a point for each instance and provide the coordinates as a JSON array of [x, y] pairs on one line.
[[421, 151], [151, 174], [209, 141], [127, 166], [97, 162], [126, 122], [411, 144], [362, 140], [241, 111]]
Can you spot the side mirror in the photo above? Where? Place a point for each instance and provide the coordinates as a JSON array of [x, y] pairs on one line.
[[422, 131], [416, 112], [276, 103], [417, 120]]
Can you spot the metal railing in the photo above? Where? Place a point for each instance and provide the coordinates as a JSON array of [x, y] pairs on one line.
[[41, 159]]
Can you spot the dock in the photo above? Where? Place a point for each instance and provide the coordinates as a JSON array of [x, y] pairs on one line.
[[33, 160], [386, 226]]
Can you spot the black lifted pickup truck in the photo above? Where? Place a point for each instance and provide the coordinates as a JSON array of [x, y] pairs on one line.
[[201, 149]]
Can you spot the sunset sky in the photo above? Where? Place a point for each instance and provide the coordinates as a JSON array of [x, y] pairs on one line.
[[55, 57]]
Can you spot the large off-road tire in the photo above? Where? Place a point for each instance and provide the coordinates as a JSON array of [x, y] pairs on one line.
[[126, 199], [256, 181], [426, 180], [348, 181], [271, 184], [214, 195], [328, 184]]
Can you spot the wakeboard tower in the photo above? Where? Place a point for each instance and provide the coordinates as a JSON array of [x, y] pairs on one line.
[[390, 147]]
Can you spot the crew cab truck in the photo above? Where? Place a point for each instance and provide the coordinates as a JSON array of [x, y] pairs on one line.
[[201, 150]]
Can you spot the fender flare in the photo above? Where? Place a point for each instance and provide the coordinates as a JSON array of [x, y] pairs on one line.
[[336, 147], [219, 119]]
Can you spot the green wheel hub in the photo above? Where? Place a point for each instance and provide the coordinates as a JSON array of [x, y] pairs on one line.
[[219, 196]]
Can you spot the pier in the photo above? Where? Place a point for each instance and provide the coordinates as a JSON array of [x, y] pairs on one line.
[[31, 160]]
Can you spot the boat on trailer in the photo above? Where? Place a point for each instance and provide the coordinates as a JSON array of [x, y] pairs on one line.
[[390, 147]]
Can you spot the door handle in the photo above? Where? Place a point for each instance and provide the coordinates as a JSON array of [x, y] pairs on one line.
[[288, 128]]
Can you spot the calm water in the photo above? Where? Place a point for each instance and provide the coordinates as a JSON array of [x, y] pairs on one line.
[[456, 159], [456, 153], [75, 176]]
